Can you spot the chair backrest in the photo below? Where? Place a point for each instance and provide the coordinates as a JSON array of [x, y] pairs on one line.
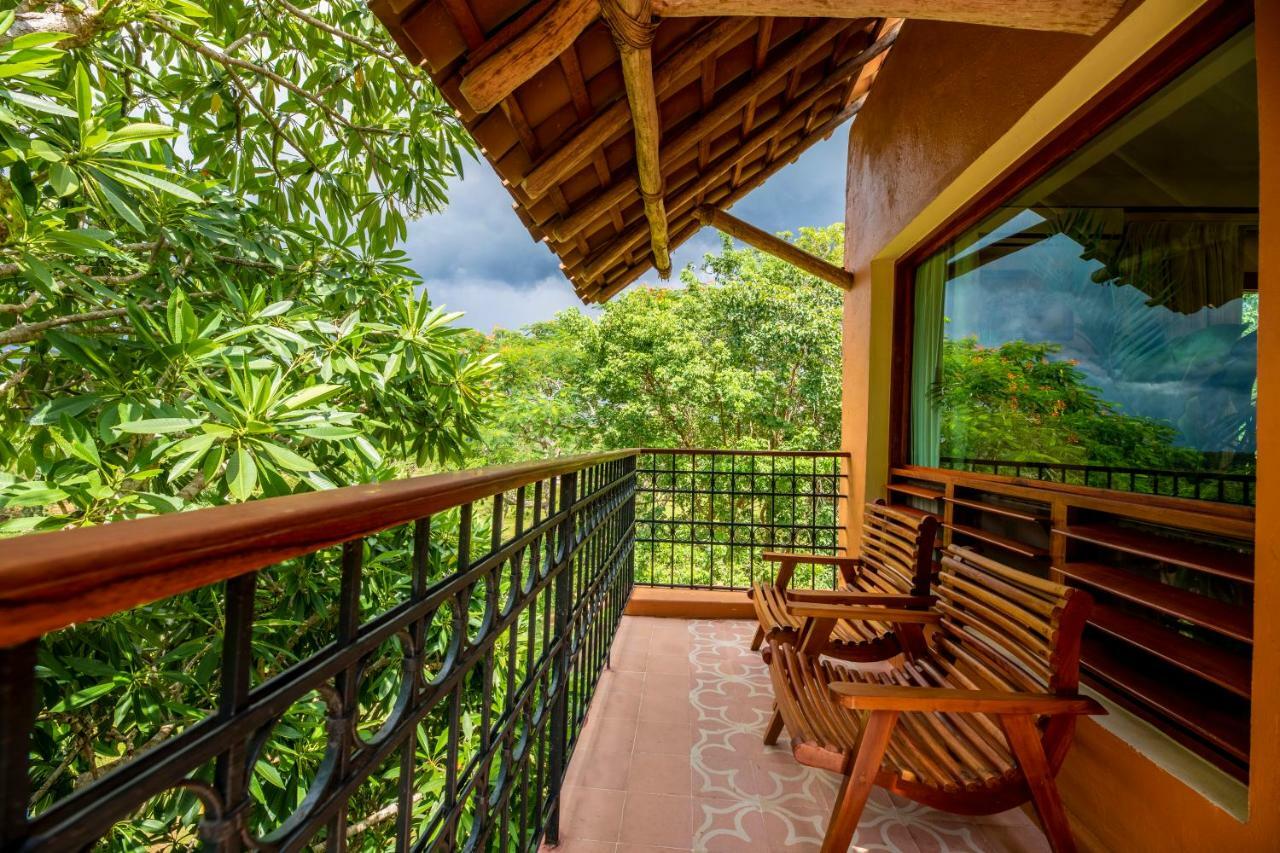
[[897, 548], [1004, 628]]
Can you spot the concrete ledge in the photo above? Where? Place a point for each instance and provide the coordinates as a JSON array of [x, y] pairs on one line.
[[689, 603]]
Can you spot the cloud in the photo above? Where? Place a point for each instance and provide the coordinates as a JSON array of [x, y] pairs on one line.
[[476, 257], [490, 303]]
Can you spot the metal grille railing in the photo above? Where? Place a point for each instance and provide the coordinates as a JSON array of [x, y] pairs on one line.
[[1208, 485], [442, 713], [704, 517]]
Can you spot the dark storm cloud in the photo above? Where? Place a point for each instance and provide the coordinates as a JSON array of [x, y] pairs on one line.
[[477, 257]]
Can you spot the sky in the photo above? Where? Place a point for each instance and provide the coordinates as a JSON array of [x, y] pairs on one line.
[[476, 257]]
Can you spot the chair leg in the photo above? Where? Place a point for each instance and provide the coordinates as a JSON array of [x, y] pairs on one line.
[[857, 787], [772, 733], [1024, 740], [759, 639]]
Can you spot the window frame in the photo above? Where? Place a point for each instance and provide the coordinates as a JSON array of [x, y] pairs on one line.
[[1210, 27]]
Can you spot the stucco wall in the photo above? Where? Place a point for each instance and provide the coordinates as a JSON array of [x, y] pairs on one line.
[[953, 107]]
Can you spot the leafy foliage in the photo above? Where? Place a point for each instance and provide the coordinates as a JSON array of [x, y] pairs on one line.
[[1016, 401], [200, 298], [749, 359]]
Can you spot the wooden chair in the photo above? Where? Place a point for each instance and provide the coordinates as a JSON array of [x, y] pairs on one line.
[[893, 568], [976, 719]]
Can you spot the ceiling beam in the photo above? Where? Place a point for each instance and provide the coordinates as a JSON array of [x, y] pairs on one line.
[[1072, 16], [526, 53], [616, 193], [571, 154], [779, 248]]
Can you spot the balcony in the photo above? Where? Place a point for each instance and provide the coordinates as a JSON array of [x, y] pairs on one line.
[[671, 758], [444, 663]]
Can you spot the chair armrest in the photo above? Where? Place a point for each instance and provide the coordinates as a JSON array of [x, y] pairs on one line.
[[810, 559], [846, 598], [876, 697], [870, 614]]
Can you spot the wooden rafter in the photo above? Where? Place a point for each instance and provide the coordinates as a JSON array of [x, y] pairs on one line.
[[525, 54], [610, 123], [1072, 16], [781, 249]]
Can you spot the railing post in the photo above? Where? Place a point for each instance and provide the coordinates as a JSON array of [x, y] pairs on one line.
[[568, 496], [17, 716]]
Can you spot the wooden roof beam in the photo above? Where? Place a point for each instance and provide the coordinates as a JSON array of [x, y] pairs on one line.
[[1072, 16], [633, 30], [613, 120], [775, 246], [526, 53]]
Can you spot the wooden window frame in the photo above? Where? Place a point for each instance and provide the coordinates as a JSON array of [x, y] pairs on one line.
[[1199, 35]]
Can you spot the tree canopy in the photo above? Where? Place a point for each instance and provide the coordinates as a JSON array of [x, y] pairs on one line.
[[748, 358], [200, 295]]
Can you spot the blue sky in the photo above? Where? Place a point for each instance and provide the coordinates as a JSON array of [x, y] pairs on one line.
[[477, 257]]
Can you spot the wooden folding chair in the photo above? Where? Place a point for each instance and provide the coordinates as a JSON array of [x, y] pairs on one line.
[[978, 717]]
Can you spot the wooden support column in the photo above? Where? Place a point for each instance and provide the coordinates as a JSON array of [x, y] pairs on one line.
[[1072, 16], [780, 249], [632, 26]]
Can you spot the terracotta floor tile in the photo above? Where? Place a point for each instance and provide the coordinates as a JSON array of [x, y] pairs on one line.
[[656, 773], [658, 820], [727, 826], [666, 738], [629, 660], [672, 664], [599, 769], [608, 734], [665, 645], [578, 845], [646, 848], [591, 814], [621, 681], [664, 709], [625, 706]]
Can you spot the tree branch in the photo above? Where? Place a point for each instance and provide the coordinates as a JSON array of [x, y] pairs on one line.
[[232, 61]]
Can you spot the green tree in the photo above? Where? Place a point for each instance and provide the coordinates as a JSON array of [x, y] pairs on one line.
[[200, 297], [1017, 402], [201, 302], [748, 359]]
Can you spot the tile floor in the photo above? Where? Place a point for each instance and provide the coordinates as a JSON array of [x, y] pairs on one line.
[[671, 759]]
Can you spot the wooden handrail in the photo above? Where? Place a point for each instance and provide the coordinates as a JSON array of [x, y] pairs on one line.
[[720, 451], [51, 580]]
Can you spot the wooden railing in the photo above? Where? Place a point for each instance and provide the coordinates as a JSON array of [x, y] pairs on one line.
[[1205, 484], [486, 646]]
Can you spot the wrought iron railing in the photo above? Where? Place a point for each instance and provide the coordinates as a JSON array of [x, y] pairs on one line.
[[432, 706], [703, 517], [1222, 486]]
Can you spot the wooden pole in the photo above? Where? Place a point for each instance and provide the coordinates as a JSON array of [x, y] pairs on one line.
[[622, 187], [527, 53], [633, 29], [779, 248], [611, 123], [1072, 16], [607, 290]]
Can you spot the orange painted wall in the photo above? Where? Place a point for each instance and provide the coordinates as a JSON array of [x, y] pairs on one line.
[[946, 94]]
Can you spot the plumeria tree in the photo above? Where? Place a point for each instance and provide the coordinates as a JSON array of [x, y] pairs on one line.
[[200, 296]]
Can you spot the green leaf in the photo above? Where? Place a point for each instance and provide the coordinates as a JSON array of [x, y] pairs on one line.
[[286, 458], [42, 105], [307, 396], [159, 426], [242, 475], [84, 100]]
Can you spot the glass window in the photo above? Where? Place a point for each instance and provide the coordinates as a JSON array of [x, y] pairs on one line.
[[1101, 328]]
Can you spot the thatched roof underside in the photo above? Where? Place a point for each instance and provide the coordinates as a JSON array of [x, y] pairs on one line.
[[737, 99]]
